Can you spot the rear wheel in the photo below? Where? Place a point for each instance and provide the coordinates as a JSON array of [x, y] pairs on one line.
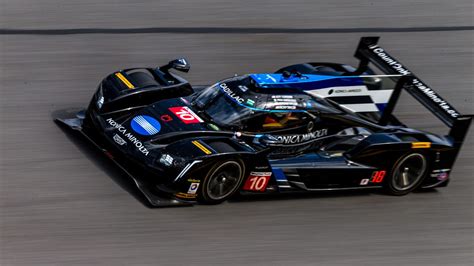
[[222, 182], [407, 174]]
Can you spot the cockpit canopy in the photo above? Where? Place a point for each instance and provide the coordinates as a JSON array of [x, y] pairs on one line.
[[242, 102]]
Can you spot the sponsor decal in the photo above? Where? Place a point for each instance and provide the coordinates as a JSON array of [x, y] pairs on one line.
[[186, 115], [364, 182], [145, 125], [293, 139], [185, 195], [192, 180], [123, 131], [119, 140], [230, 93], [283, 97], [250, 102], [257, 181], [389, 60], [418, 84], [201, 147], [166, 159], [283, 102], [166, 118], [441, 174], [435, 98], [193, 188], [344, 91], [285, 107]]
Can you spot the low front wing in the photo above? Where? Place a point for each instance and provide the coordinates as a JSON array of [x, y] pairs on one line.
[[154, 196]]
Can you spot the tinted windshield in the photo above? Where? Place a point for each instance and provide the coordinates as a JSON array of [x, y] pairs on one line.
[[223, 107], [220, 108]]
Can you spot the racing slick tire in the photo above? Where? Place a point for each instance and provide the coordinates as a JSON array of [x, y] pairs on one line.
[[407, 174], [222, 181]]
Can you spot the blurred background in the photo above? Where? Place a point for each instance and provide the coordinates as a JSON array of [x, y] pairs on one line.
[[61, 204]]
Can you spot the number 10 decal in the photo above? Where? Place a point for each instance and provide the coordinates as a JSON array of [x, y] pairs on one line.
[[257, 181], [186, 115]]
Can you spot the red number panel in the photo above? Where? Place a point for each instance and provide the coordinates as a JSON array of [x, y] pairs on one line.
[[257, 181], [377, 176], [186, 115]]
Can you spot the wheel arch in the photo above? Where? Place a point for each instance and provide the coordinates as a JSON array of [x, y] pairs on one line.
[[222, 150]]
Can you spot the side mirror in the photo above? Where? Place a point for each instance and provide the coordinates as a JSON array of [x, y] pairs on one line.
[[180, 64]]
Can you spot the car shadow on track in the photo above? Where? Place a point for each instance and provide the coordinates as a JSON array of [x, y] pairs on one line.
[[318, 195], [301, 195]]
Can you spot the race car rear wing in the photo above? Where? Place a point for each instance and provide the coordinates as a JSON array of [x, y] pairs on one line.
[[368, 51]]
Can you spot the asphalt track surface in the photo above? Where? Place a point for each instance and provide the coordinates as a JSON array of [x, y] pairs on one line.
[[62, 204]]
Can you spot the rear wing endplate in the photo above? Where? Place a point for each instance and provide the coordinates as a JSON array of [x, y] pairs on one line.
[[368, 51]]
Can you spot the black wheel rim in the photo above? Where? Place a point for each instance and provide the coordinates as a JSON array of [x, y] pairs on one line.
[[224, 180], [408, 172]]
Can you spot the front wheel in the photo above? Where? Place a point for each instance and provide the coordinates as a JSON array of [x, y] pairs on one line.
[[407, 174], [222, 181]]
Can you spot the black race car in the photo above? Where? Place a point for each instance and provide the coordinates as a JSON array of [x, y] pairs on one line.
[[306, 127]]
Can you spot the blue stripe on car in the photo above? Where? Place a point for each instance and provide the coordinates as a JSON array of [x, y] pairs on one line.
[[279, 175]]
